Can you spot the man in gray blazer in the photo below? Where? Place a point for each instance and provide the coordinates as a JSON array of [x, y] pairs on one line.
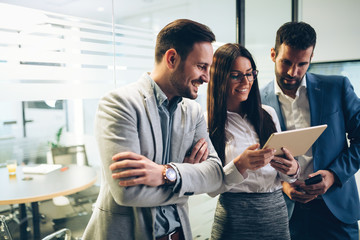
[[153, 142]]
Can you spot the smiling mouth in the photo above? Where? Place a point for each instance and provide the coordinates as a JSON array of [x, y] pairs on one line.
[[196, 83], [242, 90]]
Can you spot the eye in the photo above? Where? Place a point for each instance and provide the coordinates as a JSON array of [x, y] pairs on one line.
[[248, 74], [303, 64], [286, 62], [234, 76], [202, 67]]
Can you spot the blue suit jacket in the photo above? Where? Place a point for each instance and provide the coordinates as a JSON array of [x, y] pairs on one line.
[[333, 102]]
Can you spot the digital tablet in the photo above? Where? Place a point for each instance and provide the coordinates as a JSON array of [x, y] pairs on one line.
[[297, 141]]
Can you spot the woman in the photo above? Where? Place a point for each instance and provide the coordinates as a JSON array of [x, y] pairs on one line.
[[238, 126]]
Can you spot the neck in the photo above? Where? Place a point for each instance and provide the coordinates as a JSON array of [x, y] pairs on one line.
[[235, 108], [162, 80], [290, 93]]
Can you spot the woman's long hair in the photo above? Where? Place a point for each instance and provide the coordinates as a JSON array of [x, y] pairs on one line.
[[223, 61]]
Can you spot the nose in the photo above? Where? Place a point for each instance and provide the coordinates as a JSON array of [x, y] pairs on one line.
[[292, 71], [205, 77]]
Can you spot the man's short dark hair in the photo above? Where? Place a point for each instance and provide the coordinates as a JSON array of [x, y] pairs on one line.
[[181, 35], [297, 35]]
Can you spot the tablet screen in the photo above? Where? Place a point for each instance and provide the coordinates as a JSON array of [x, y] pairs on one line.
[[297, 141]]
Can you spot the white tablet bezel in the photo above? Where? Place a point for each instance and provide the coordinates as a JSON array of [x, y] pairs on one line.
[[297, 141]]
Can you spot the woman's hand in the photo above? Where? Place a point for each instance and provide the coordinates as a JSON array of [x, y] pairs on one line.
[[287, 165], [253, 159]]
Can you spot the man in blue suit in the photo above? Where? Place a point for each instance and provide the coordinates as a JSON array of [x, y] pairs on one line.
[[329, 209]]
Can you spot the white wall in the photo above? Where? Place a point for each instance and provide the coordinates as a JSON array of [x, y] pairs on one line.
[[337, 26]]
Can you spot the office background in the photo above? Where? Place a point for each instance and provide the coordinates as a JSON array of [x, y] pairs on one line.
[[58, 57]]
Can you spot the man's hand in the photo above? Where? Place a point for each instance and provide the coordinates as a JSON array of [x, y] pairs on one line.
[[198, 153], [321, 187], [253, 159], [287, 165], [294, 192], [135, 169]]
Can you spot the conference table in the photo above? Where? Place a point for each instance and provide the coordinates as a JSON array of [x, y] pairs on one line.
[[25, 188]]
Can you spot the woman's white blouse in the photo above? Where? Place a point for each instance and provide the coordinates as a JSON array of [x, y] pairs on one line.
[[240, 134]]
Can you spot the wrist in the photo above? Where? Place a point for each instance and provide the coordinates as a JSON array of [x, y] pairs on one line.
[[169, 175], [297, 172], [240, 167]]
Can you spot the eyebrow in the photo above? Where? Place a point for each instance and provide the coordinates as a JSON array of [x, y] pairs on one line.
[[203, 63], [241, 71]]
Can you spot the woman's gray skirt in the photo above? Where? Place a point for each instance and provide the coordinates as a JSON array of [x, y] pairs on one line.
[[251, 216]]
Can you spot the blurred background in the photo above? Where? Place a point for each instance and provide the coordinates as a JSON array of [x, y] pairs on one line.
[[58, 57]]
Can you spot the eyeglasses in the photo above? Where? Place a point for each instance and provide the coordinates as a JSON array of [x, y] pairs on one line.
[[238, 76]]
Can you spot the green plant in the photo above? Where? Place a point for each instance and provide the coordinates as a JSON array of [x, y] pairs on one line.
[[57, 139]]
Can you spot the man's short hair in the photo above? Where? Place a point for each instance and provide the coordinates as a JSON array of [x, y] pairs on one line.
[[181, 35], [297, 35]]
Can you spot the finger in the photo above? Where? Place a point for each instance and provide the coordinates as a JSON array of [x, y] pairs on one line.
[[205, 155], [287, 153], [126, 155], [128, 173], [200, 152], [196, 148], [254, 147], [317, 189], [187, 160], [131, 182], [266, 152], [126, 164], [279, 167], [314, 174], [260, 161]]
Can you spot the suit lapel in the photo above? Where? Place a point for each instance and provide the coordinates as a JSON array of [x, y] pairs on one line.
[[273, 101], [154, 119], [315, 96]]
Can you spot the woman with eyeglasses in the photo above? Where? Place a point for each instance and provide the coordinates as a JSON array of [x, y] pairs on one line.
[[239, 126]]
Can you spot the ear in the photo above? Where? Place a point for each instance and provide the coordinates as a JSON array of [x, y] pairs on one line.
[[273, 54], [171, 58]]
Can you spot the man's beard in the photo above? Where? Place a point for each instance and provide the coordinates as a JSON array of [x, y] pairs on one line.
[[283, 85], [177, 79]]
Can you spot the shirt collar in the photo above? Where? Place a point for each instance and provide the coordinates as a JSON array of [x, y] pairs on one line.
[[161, 97], [278, 90]]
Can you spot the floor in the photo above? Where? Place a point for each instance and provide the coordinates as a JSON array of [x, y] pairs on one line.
[[51, 220], [202, 209]]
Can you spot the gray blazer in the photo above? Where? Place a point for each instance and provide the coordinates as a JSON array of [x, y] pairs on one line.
[[127, 120]]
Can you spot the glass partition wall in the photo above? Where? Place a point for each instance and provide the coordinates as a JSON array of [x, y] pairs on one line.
[[52, 67], [58, 58]]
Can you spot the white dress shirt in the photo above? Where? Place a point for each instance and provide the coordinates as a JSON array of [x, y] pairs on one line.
[[240, 134], [296, 114]]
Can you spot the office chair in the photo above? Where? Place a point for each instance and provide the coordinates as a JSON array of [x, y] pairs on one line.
[[74, 155], [56, 235], [4, 230], [70, 155], [6, 235]]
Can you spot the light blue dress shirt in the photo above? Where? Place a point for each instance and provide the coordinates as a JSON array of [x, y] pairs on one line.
[[166, 216]]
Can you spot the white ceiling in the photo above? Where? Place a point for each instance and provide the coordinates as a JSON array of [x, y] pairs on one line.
[[100, 10]]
